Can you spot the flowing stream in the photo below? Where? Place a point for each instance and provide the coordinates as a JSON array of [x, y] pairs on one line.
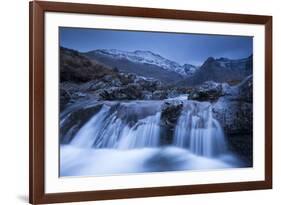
[[126, 137], [198, 131]]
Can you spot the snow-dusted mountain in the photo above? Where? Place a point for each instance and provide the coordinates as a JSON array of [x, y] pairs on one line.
[[220, 70], [149, 64], [189, 69], [145, 57]]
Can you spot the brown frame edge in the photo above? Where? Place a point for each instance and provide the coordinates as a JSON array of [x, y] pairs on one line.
[[37, 194]]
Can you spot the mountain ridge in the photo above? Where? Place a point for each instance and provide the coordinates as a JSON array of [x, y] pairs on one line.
[[145, 57], [151, 65], [220, 70]]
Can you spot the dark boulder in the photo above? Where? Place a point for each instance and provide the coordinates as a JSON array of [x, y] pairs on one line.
[[128, 92], [159, 95], [149, 84], [170, 113], [245, 89], [147, 95], [70, 93], [74, 120], [96, 85], [208, 91], [65, 97], [127, 78], [112, 80], [235, 114]]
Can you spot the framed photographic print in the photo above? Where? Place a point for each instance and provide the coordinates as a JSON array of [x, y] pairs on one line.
[[138, 102]]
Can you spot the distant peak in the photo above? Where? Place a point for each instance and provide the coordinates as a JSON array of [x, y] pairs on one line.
[[146, 57], [188, 65], [142, 51], [208, 62], [136, 52], [210, 59], [222, 59], [110, 50]]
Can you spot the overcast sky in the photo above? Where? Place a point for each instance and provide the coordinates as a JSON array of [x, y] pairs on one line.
[[182, 48]]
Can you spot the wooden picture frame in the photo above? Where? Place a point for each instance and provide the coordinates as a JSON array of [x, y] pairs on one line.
[[37, 98]]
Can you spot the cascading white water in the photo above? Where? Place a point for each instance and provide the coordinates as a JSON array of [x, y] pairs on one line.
[[145, 133], [88, 134], [125, 137], [198, 131], [106, 130]]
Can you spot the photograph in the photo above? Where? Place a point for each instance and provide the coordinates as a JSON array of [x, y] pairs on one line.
[[138, 102]]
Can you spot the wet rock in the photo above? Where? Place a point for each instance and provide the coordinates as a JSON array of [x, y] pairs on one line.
[[74, 120], [208, 91], [149, 84], [127, 78], [172, 94], [64, 98], [129, 92], [71, 93], [245, 90], [96, 85], [170, 113], [235, 114], [112, 80], [159, 95], [131, 112], [147, 95]]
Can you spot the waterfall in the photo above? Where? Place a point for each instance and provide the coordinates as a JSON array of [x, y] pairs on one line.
[[145, 133], [87, 135], [198, 131], [107, 130], [125, 137]]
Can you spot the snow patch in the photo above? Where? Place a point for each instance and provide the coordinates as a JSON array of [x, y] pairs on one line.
[[148, 57]]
